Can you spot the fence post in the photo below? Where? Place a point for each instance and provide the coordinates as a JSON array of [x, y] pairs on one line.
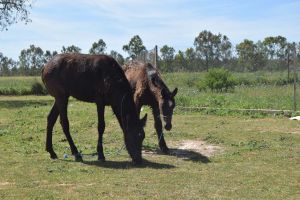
[[295, 81], [155, 56]]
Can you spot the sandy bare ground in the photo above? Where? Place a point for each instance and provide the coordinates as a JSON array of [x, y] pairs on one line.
[[195, 150], [4, 185], [197, 146]]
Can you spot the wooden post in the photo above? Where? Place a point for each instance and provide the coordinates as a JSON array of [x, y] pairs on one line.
[[155, 56], [295, 82]]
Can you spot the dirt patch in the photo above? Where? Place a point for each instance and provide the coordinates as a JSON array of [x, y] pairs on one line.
[[195, 150], [5, 184], [197, 146]]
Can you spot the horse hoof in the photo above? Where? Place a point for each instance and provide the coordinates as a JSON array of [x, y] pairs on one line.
[[101, 158], [165, 150], [53, 156], [137, 162], [78, 158]]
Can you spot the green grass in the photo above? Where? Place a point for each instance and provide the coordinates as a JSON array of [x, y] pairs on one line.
[[20, 85], [260, 158], [262, 91]]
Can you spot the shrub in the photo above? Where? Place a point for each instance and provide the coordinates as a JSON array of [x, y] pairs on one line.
[[38, 89], [219, 80]]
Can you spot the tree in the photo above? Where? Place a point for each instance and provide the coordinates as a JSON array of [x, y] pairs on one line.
[[70, 49], [167, 55], [6, 65], [251, 55], [275, 47], [31, 60], [212, 48], [275, 51], [12, 11], [48, 55], [225, 48], [118, 57], [246, 52], [180, 61], [290, 55], [190, 56], [134, 47], [98, 47]]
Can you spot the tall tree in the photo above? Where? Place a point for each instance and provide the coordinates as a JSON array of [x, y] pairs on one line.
[[246, 52], [118, 57], [190, 56], [48, 55], [290, 55], [70, 49], [31, 60], [225, 48], [12, 11], [98, 47], [6, 64], [211, 47], [275, 47], [167, 55], [134, 47], [180, 61]]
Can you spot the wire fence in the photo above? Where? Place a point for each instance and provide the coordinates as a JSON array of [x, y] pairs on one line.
[[275, 82], [149, 56]]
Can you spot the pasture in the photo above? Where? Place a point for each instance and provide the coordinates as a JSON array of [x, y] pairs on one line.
[[259, 157], [261, 90]]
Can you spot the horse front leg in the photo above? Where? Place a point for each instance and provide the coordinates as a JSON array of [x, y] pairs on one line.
[[62, 105], [101, 128], [158, 127]]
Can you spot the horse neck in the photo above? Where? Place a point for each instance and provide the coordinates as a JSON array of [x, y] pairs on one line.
[[157, 90], [123, 107]]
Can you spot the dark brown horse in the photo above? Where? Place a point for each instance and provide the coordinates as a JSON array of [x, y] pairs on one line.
[[98, 79], [149, 89]]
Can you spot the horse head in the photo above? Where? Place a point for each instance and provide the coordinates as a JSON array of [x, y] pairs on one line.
[[167, 105]]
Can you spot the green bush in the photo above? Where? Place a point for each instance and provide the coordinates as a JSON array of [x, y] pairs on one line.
[[38, 89], [219, 80]]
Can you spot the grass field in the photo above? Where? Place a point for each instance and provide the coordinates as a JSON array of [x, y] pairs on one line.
[[260, 160], [262, 91]]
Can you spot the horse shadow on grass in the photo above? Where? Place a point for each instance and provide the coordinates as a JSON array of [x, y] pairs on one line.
[[127, 164], [184, 154], [122, 164]]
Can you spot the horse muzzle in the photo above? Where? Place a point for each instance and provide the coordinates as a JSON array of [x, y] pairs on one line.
[[168, 125]]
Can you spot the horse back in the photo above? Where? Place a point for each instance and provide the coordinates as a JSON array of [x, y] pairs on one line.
[[85, 77]]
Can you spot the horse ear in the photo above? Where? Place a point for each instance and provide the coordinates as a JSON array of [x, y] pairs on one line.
[[144, 120], [174, 92]]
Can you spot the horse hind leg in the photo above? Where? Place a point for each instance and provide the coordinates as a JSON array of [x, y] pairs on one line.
[[101, 128], [51, 119], [62, 105]]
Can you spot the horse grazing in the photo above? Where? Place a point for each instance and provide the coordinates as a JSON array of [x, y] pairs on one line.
[[97, 79], [149, 89]]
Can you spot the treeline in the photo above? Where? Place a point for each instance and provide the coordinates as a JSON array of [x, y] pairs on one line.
[[209, 50], [32, 60], [215, 50]]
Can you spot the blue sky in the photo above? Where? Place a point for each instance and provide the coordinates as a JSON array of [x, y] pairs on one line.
[[158, 22]]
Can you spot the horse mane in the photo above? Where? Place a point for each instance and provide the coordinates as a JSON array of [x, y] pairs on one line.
[[153, 75]]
